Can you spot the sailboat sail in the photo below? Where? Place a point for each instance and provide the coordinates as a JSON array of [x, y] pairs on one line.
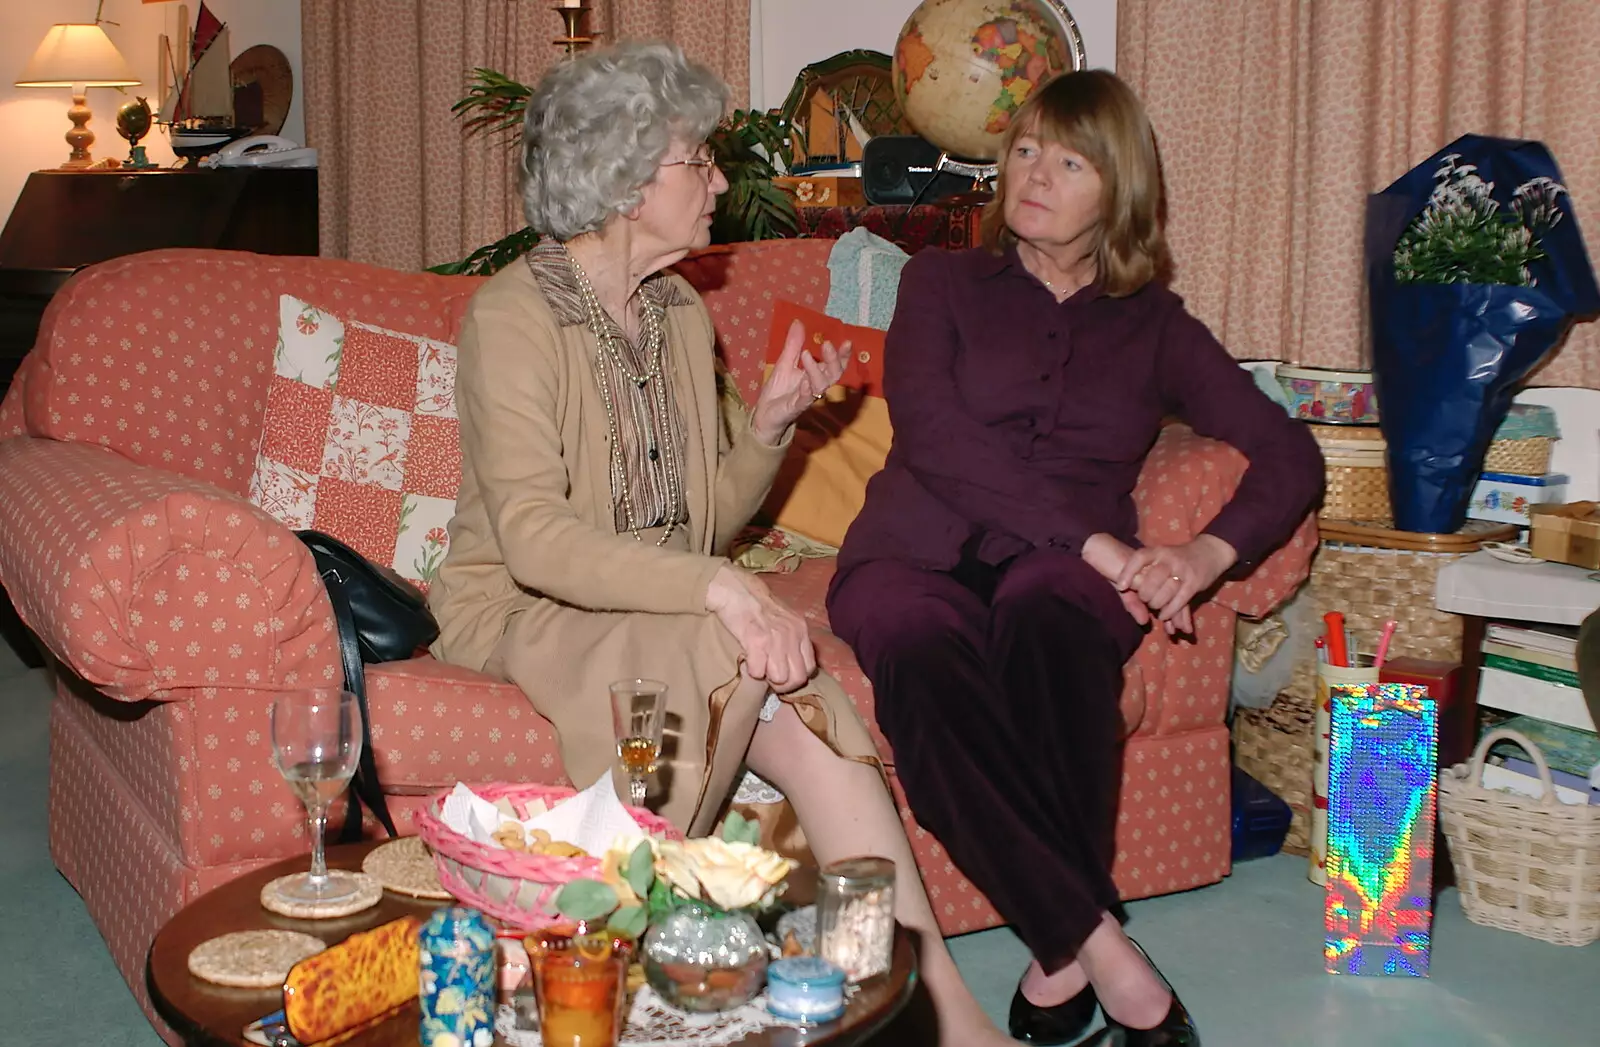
[[206, 90]]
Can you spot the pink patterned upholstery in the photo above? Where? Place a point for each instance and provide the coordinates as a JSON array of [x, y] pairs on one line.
[[176, 610]]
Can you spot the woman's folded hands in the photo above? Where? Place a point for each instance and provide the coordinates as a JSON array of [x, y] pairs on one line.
[[776, 643], [1159, 582]]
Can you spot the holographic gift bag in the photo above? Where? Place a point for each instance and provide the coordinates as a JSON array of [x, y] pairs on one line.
[[1475, 269]]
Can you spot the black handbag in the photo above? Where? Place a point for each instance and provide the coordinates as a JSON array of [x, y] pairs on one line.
[[381, 618]]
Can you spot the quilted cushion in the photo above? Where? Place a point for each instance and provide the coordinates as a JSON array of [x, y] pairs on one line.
[[361, 439]]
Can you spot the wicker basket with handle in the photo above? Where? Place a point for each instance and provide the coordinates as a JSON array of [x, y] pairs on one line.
[[1523, 864], [512, 885]]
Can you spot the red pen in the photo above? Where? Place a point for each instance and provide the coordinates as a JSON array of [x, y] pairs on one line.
[[1337, 653]]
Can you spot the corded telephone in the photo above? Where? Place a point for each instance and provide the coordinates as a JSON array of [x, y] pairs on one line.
[[262, 151]]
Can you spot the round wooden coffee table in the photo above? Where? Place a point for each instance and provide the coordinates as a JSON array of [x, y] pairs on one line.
[[214, 1016]]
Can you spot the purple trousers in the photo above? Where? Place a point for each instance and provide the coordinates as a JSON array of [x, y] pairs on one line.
[[999, 688]]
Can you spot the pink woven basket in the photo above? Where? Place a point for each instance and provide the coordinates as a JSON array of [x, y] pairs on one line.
[[510, 885]]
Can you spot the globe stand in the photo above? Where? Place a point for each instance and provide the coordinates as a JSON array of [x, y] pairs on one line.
[[982, 175]]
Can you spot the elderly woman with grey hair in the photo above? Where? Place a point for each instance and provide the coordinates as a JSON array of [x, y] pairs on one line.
[[602, 482]]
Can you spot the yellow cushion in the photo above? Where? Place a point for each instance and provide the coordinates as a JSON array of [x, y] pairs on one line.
[[822, 484]]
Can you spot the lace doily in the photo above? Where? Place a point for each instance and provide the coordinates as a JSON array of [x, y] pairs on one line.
[[653, 1023]]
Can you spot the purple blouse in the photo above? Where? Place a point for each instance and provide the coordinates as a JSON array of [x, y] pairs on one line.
[[1027, 421]]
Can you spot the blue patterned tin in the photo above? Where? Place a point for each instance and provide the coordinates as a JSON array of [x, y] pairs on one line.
[[458, 979]]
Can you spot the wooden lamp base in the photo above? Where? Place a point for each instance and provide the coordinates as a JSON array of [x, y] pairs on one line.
[[80, 138]]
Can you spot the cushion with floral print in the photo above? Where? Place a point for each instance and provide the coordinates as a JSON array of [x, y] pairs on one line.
[[361, 439]]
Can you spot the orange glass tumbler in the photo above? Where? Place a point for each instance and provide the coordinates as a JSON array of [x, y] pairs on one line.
[[580, 992]]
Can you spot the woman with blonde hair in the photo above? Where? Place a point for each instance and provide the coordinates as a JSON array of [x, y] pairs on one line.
[[994, 584], [601, 485]]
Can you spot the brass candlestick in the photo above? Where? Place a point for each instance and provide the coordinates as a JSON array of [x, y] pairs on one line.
[[577, 37]]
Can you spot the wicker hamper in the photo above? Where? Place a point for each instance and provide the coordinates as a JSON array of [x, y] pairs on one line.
[[1372, 575], [1523, 864]]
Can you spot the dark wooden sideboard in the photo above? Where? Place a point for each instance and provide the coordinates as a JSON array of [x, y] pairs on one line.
[[64, 220]]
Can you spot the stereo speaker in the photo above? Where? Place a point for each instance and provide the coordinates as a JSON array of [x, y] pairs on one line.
[[903, 169]]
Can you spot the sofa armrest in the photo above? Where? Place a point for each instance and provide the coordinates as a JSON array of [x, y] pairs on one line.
[[143, 581], [1186, 481]]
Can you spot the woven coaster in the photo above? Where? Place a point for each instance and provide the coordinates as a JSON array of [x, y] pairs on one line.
[[252, 959], [368, 892], [405, 866]]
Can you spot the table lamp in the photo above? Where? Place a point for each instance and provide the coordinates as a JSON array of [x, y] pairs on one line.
[[79, 57]]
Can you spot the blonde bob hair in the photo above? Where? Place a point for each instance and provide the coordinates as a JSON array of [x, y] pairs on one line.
[[1097, 116]]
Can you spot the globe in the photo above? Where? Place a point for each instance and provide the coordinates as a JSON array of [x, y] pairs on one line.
[[963, 67]]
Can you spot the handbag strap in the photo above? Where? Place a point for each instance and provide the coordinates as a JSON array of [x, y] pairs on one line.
[[364, 785]]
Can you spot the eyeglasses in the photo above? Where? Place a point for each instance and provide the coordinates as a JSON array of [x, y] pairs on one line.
[[704, 163]]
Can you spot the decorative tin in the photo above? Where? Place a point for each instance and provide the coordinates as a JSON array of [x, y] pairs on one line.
[[458, 979]]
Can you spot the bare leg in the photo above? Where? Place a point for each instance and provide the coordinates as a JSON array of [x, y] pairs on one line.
[[845, 810]]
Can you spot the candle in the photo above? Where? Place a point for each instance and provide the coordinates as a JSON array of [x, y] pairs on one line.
[[805, 989]]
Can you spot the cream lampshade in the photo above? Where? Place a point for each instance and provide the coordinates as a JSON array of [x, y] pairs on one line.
[[79, 57]]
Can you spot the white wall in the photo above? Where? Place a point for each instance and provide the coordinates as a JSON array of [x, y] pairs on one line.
[[33, 120], [788, 35]]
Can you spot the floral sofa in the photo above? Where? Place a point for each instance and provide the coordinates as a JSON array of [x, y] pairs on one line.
[[175, 609]]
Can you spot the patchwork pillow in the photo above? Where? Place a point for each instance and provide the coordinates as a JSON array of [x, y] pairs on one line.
[[361, 438], [840, 442]]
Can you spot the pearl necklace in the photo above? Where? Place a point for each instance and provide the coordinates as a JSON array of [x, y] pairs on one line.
[[655, 343]]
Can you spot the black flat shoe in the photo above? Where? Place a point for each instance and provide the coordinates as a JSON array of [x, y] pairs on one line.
[[1063, 1023], [1175, 1030]]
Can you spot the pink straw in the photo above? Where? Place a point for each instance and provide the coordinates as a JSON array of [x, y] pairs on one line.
[[1383, 643]]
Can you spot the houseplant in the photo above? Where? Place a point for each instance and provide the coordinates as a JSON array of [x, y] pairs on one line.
[[1475, 268], [750, 148]]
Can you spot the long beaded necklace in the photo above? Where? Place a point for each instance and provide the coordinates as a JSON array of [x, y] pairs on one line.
[[654, 344]]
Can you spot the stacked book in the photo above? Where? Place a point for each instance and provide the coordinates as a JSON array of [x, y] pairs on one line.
[[1532, 674]]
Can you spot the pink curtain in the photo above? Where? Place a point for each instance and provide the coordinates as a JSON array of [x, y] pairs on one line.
[[400, 184], [1276, 118]]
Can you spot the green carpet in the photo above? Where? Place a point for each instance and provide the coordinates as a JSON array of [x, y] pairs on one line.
[[1246, 955]]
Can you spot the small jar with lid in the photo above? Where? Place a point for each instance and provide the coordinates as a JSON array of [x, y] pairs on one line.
[[855, 916]]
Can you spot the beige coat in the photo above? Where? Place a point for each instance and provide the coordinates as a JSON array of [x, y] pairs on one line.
[[539, 588]]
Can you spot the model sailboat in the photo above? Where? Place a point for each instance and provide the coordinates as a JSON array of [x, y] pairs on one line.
[[197, 109]]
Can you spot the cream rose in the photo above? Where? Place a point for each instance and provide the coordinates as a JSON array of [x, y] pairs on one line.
[[730, 875]]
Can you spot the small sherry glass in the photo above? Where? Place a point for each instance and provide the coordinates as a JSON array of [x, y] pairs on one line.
[[638, 713], [316, 742]]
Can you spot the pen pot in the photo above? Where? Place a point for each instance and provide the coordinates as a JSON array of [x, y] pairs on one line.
[[1362, 674]]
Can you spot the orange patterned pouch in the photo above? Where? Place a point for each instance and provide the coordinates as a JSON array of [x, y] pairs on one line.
[[354, 985]]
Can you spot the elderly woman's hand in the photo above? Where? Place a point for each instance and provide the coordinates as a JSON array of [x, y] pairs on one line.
[[1167, 577], [776, 643], [796, 382]]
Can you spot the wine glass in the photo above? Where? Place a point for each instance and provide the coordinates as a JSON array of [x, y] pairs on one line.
[[638, 713], [316, 741]]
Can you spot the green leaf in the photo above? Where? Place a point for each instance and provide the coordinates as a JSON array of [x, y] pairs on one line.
[[736, 828], [641, 869], [586, 900], [630, 920], [661, 900]]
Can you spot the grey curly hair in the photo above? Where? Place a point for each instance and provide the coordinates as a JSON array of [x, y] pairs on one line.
[[598, 126]]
